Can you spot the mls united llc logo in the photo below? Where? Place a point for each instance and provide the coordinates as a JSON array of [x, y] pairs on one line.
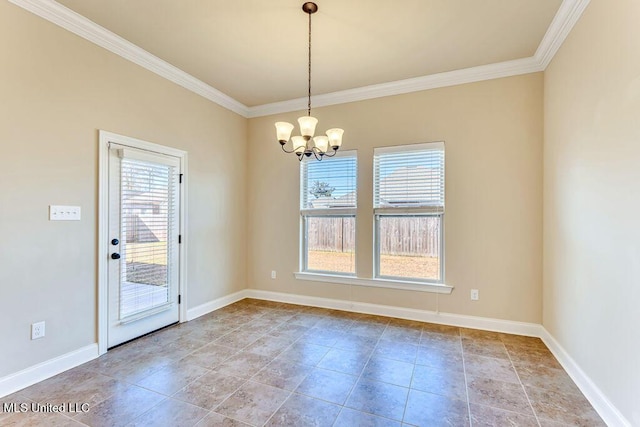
[[45, 407]]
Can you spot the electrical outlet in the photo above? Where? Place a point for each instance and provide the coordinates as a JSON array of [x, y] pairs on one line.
[[273, 274], [475, 295], [37, 330]]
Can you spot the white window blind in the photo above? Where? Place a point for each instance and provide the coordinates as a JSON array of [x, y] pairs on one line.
[[330, 184], [409, 176], [149, 222]]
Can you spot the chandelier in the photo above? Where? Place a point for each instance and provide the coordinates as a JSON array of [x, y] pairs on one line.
[[306, 144]]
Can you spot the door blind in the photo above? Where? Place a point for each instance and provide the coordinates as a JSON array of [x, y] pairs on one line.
[[148, 215]]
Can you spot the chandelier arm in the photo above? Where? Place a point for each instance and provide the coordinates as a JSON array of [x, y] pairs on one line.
[[333, 153], [317, 153], [285, 150]]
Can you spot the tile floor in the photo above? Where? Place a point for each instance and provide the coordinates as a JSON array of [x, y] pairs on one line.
[[262, 363]]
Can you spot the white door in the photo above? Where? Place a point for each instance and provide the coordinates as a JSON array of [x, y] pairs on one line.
[[143, 272]]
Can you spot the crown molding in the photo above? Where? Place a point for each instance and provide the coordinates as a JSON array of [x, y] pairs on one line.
[[561, 25], [66, 18], [567, 16], [433, 81]]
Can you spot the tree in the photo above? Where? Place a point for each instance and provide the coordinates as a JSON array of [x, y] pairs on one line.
[[321, 189]]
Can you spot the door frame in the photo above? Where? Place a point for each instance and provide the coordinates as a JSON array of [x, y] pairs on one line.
[[104, 138]]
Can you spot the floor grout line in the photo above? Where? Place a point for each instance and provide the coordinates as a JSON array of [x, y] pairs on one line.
[[523, 387]]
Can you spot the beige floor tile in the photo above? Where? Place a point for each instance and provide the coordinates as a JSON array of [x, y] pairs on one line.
[[303, 411], [282, 374], [353, 342], [210, 390], [541, 376], [403, 352], [173, 377], [490, 367], [382, 399], [327, 385], [348, 362], [304, 353], [438, 381], [426, 409], [253, 403], [350, 418], [494, 349], [38, 419], [210, 356], [170, 413], [568, 408], [269, 346], [532, 356], [217, 420], [315, 360], [243, 365], [238, 339], [440, 358], [122, 408], [388, 371], [498, 394], [485, 416], [441, 329], [400, 334]]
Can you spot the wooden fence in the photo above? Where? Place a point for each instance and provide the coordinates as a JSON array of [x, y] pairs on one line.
[[407, 236]]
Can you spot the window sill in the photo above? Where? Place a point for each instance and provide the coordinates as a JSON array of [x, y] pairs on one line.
[[376, 283]]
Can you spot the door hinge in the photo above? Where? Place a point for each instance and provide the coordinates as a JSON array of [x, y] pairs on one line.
[[179, 238], [179, 299], [181, 175]]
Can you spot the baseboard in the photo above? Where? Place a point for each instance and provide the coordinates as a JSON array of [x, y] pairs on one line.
[[594, 395], [474, 322], [29, 376], [208, 307]]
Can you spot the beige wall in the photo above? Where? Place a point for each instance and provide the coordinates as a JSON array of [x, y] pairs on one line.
[[56, 91], [592, 199], [493, 222]]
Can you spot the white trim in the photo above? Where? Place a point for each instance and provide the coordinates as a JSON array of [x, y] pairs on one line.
[[69, 20], [405, 285], [47, 369], [564, 20], [103, 224], [484, 323], [566, 17], [433, 81], [592, 392], [208, 307]]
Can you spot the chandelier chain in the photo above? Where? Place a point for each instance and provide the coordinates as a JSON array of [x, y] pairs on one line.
[[309, 73]]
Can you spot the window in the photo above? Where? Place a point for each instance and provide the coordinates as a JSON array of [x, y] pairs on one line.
[[328, 196], [408, 208]]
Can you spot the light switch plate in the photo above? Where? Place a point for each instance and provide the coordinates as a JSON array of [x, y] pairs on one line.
[[64, 213]]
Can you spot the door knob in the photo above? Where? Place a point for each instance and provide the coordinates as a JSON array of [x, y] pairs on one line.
[[115, 255], [115, 242]]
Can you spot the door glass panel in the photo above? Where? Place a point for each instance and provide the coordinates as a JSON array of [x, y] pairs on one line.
[[147, 211]]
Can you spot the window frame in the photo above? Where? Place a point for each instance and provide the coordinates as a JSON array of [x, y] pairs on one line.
[[342, 212], [424, 211]]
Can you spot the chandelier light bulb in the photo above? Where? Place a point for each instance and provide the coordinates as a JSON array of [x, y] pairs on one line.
[[283, 130], [307, 126], [335, 137], [299, 144], [322, 143]]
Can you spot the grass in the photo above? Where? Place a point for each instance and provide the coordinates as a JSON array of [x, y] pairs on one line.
[[390, 265], [147, 253]]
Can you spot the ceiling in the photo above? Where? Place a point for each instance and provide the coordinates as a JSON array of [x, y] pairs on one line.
[[255, 51]]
